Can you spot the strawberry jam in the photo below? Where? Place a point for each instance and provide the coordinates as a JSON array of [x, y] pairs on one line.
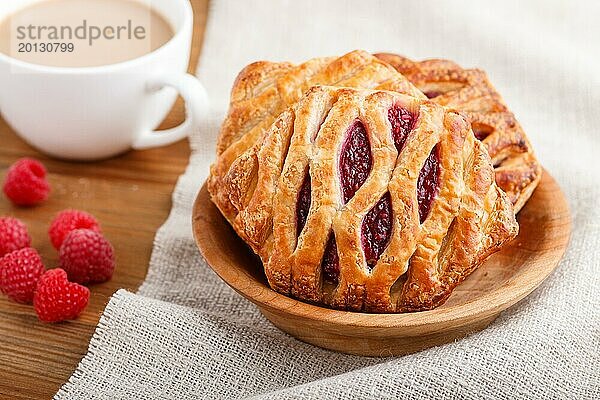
[[303, 204], [403, 121], [331, 262], [355, 160], [482, 131], [428, 183], [432, 94], [376, 230]]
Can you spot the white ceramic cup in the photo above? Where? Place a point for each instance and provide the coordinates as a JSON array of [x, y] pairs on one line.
[[97, 112]]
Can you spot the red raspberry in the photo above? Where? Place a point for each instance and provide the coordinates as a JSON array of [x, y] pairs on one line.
[[87, 257], [25, 183], [19, 274], [67, 221], [56, 299], [13, 235]]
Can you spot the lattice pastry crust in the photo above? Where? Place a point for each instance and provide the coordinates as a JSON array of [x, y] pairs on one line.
[[263, 90], [367, 200], [518, 172]]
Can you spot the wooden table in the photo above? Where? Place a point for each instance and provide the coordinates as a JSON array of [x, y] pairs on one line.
[[131, 197]]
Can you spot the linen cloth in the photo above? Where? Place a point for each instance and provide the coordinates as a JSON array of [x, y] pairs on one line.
[[186, 335]]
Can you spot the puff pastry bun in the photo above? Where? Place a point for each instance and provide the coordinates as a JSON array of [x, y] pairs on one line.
[[265, 89], [364, 200], [518, 172]]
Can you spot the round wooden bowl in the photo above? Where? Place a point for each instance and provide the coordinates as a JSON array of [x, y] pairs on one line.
[[502, 281]]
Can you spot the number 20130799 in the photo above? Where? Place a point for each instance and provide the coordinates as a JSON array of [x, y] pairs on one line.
[[46, 47]]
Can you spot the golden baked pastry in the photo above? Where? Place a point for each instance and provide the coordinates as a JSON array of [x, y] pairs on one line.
[[264, 89], [367, 200], [518, 172]]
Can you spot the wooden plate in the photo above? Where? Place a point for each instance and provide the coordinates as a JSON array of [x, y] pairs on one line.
[[503, 280]]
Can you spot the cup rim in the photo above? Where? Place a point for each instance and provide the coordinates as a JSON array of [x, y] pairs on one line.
[[185, 26]]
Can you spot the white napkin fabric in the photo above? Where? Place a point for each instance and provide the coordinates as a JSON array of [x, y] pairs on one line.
[[186, 335]]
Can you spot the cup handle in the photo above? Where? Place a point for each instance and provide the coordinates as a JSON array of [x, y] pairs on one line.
[[196, 104]]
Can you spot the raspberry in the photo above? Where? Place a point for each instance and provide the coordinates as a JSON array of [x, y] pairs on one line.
[[67, 221], [19, 274], [13, 235], [87, 257], [56, 299], [25, 183]]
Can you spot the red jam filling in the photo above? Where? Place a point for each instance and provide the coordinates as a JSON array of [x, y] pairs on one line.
[[432, 93], [355, 160], [403, 121], [482, 131], [377, 230], [331, 262], [428, 183], [303, 204]]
